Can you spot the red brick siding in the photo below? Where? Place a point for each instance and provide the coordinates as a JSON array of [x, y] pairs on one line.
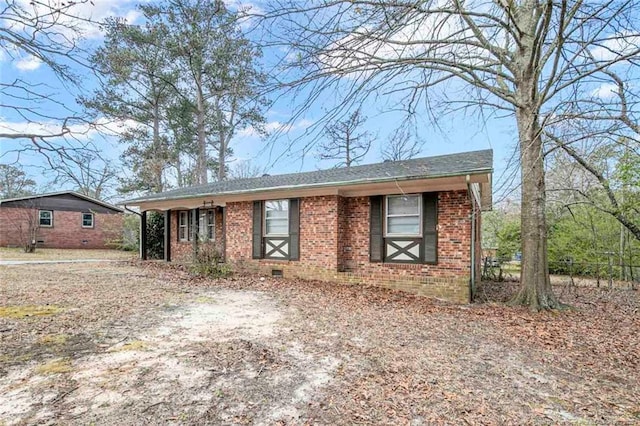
[[334, 246], [318, 233], [67, 230]]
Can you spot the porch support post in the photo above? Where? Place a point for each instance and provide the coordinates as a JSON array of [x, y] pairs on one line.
[[224, 234], [194, 231], [143, 235], [167, 236]]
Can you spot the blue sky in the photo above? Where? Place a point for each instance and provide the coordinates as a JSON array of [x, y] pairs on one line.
[[454, 133]]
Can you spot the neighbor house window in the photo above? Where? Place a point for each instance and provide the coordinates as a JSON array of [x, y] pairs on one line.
[[276, 217], [87, 220], [183, 225], [45, 218], [403, 215], [207, 225]]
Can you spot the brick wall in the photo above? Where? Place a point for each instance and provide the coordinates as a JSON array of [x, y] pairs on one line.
[[334, 246], [67, 230], [318, 234]]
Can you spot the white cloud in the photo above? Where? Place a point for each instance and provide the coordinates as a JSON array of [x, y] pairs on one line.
[[79, 20], [82, 131], [276, 126], [364, 50], [605, 91], [616, 45], [28, 64]]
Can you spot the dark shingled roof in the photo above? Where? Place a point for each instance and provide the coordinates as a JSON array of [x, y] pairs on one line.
[[417, 168]]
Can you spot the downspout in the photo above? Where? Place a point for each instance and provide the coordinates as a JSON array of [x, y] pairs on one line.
[[131, 211], [472, 282]]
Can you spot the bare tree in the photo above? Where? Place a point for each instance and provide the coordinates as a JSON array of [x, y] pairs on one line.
[[47, 33], [600, 133], [522, 59], [89, 175], [345, 142], [14, 182], [25, 222], [245, 169], [403, 144]]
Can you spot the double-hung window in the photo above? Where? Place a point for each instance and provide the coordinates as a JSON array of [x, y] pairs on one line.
[[403, 216], [183, 225], [404, 228], [207, 225], [276, 229], [276, 218], [45, 218], [87, 220]]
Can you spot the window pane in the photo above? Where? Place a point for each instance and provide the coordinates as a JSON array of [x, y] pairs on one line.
[[277, 208], [404, 205], [45, 218], [277, 217], [403, 225], [202, 225], [277, 226], [87, 219]]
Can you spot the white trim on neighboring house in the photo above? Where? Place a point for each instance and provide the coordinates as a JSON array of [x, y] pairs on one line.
[[50, 225], [93, 220]]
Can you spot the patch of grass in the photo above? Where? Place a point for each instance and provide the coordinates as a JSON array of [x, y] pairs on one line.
[[19, 312], [205, 299], [136, 345], [5, 359], [56, 366], [53, 339]]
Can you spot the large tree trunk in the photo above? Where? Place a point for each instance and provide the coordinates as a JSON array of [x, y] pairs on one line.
[[222, 167], [157, 161], [535, 290], [201, 160]]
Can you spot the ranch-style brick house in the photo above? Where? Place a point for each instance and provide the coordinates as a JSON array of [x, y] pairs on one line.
[[64, 219], [412, 225]]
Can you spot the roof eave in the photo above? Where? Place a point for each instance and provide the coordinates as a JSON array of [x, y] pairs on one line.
[[53, 194], [142, 200]]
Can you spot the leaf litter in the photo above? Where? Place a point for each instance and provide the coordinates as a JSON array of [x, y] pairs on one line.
[[147, 343]]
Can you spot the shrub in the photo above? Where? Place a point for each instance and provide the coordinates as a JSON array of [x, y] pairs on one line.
[[155, 235], [209, 262]]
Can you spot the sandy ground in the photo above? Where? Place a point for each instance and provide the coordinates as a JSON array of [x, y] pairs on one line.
[[146, 344], [18, 254]]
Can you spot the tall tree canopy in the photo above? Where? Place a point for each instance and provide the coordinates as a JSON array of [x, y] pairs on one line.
[[527, 59], [184, 83]]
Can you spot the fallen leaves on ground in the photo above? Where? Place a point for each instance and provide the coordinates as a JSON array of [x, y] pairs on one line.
[[399, 358]]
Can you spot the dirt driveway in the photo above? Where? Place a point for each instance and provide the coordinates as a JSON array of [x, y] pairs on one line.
[[126, 343]]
